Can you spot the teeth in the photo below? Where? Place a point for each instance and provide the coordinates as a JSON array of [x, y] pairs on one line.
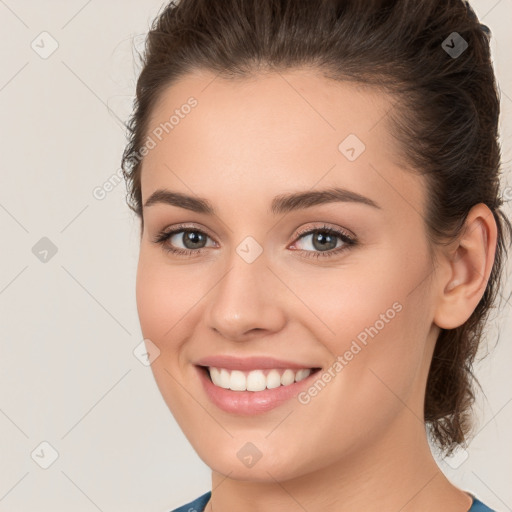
[[256, 380]]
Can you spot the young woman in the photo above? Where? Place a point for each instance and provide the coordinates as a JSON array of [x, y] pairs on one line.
[[321, 242]]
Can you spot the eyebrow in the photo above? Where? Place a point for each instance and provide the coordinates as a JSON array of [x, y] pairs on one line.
[[280, 204]]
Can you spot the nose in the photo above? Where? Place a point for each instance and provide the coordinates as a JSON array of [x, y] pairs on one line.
[[246, 301]]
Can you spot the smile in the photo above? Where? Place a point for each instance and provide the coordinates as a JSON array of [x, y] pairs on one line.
[[254, 394], [256, 380]]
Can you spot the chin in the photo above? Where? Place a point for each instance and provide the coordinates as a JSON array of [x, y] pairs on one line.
[[245, 462]]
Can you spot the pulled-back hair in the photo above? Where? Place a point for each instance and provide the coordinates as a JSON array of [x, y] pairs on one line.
[[445, 118]]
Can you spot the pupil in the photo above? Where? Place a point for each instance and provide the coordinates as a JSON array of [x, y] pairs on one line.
[[322, 236], [194, 238]]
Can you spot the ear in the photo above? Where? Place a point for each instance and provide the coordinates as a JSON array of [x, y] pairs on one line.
[[467, 263]]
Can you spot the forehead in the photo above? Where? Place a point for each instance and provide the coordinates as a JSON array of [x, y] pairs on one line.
[[274, 132]]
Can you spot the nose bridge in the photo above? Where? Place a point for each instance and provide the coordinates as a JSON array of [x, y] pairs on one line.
[[244, 298]]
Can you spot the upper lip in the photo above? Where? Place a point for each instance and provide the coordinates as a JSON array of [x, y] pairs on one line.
[[249, 363]]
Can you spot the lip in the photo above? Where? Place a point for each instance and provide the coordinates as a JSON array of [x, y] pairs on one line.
[[250, 403], [251, 363]]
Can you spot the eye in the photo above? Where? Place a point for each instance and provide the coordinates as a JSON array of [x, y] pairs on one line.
[[192, 239], [323, 242]]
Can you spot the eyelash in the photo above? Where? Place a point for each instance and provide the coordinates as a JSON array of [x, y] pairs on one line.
[[348, 241]]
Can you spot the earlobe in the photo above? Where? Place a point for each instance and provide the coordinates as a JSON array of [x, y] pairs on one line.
[[469, 266]]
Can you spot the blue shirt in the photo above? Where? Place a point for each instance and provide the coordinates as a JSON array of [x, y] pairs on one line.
[[199, 504]]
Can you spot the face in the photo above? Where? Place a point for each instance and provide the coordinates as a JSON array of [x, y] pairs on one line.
[[339, 282]]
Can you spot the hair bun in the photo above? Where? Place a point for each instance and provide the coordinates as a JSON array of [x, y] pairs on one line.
[[473, 16]]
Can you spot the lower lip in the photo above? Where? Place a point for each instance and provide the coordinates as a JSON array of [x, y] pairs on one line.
[[249, 403]]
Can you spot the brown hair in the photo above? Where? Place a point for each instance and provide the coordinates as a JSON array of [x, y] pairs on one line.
[[446, 119]]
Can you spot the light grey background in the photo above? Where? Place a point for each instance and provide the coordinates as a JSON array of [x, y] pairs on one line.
[[68, 328]]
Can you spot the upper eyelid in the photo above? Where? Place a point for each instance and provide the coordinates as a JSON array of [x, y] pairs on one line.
[[325, 227]]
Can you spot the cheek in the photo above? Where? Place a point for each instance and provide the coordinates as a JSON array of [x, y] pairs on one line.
[[379, 294], [349, 303], [165, 307], [165, 298], [379, 361], [377, 320]]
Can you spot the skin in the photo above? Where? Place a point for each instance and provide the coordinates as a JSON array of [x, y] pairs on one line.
[[360, 444]]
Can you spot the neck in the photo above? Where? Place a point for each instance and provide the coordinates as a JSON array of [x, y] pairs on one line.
[[397, 472]]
